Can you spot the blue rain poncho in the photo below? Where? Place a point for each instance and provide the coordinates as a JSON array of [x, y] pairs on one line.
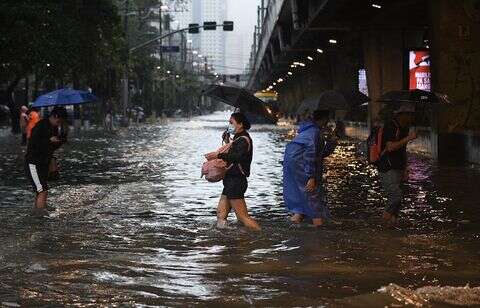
[[303, 160]]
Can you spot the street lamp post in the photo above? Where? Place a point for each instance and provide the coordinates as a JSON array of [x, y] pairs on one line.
[[125, 70], [160, 28]]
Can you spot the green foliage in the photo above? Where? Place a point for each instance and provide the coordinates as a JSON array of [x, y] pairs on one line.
[[83, 42], [68, 40], [154, 88]]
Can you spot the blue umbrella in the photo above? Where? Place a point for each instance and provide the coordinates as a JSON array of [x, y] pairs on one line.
[[64, 97]]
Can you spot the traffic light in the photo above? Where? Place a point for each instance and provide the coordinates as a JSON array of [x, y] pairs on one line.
[[210, 25], [193, 28], [228, 26]]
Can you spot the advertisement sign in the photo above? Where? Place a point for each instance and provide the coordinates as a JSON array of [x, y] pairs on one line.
[[362, 81], [419, 70]]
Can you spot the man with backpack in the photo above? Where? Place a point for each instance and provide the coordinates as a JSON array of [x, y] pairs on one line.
[[390, 157]]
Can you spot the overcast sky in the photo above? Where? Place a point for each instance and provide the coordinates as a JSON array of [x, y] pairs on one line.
[[244, 15]]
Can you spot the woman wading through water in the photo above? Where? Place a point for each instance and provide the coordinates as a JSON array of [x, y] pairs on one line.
[[235, 183]]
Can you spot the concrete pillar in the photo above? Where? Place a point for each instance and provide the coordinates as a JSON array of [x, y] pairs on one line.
[[343, 67], [295, 15], [455, 49], [272, 53], [281, 40], [269, 61], [383, 57]]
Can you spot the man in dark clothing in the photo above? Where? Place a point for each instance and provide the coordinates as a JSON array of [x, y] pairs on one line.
[[393, 165], [43, 142]]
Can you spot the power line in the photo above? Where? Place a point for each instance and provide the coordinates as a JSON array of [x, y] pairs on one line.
[[214, 65]]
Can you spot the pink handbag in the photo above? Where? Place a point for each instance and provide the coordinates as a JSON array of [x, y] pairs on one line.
[[214, 169]]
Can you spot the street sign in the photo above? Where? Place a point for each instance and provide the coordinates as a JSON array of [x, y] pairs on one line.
[[170, 48]]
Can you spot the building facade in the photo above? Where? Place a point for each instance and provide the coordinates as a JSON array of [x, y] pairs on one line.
[[210, 44]]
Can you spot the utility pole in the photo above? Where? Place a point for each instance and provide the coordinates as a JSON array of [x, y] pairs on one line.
[[169, 38], [259, 16], [184, 51], [255, 37], [263, 10], [126, 55], [164, 93], [206, 66], [160, 29], [205, 76], [174, 91]]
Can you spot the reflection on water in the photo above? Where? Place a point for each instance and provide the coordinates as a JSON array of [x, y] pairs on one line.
[[134, 220]]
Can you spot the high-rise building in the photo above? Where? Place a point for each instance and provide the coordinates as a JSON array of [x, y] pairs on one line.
[[211, 44], [182, 14], [235, 54]]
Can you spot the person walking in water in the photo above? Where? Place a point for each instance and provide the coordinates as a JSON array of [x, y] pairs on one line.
[[23, 123], [33, 118], [392, 166], [303, 191], [43, 142], [235, 183]]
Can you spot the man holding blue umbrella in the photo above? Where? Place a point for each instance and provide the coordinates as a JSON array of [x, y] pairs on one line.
[[45, 139], [63, 97]]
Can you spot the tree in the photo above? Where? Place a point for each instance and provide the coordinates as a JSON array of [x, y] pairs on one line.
[[75, 41]]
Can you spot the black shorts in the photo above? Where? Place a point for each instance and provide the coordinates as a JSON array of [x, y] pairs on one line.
[[234, 187], [38, 175]]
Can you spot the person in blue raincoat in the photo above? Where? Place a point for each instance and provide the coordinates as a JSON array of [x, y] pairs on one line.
[[303, 191]]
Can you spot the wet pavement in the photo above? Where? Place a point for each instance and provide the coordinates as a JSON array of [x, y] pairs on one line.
[[134, 227]]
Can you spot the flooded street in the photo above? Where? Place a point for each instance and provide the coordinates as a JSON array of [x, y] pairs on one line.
[[134, 226]]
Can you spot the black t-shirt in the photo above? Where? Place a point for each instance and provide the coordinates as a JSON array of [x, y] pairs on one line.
[[392, 132], [39, 148], [240, 153]]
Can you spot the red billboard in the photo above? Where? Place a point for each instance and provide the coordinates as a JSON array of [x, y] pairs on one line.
[[419, 70]]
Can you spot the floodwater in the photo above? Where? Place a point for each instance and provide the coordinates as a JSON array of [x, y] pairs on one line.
[[134, 227]]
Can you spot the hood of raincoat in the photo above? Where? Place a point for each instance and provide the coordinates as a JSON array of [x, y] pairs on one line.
[[306, 125]]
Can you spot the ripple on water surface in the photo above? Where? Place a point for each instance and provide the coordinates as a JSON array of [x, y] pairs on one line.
[[134, 226]]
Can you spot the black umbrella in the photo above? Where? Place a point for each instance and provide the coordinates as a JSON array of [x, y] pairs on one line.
[[334, 100], [413, 96], [239, 98], [422, 101]]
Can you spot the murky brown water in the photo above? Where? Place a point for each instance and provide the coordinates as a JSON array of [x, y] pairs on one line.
[[134, 227]]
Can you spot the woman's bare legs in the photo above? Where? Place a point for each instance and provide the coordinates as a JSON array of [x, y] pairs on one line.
[[223, 209], [241, 212]]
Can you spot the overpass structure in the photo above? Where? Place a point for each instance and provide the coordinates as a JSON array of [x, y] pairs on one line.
[[304, 47]]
